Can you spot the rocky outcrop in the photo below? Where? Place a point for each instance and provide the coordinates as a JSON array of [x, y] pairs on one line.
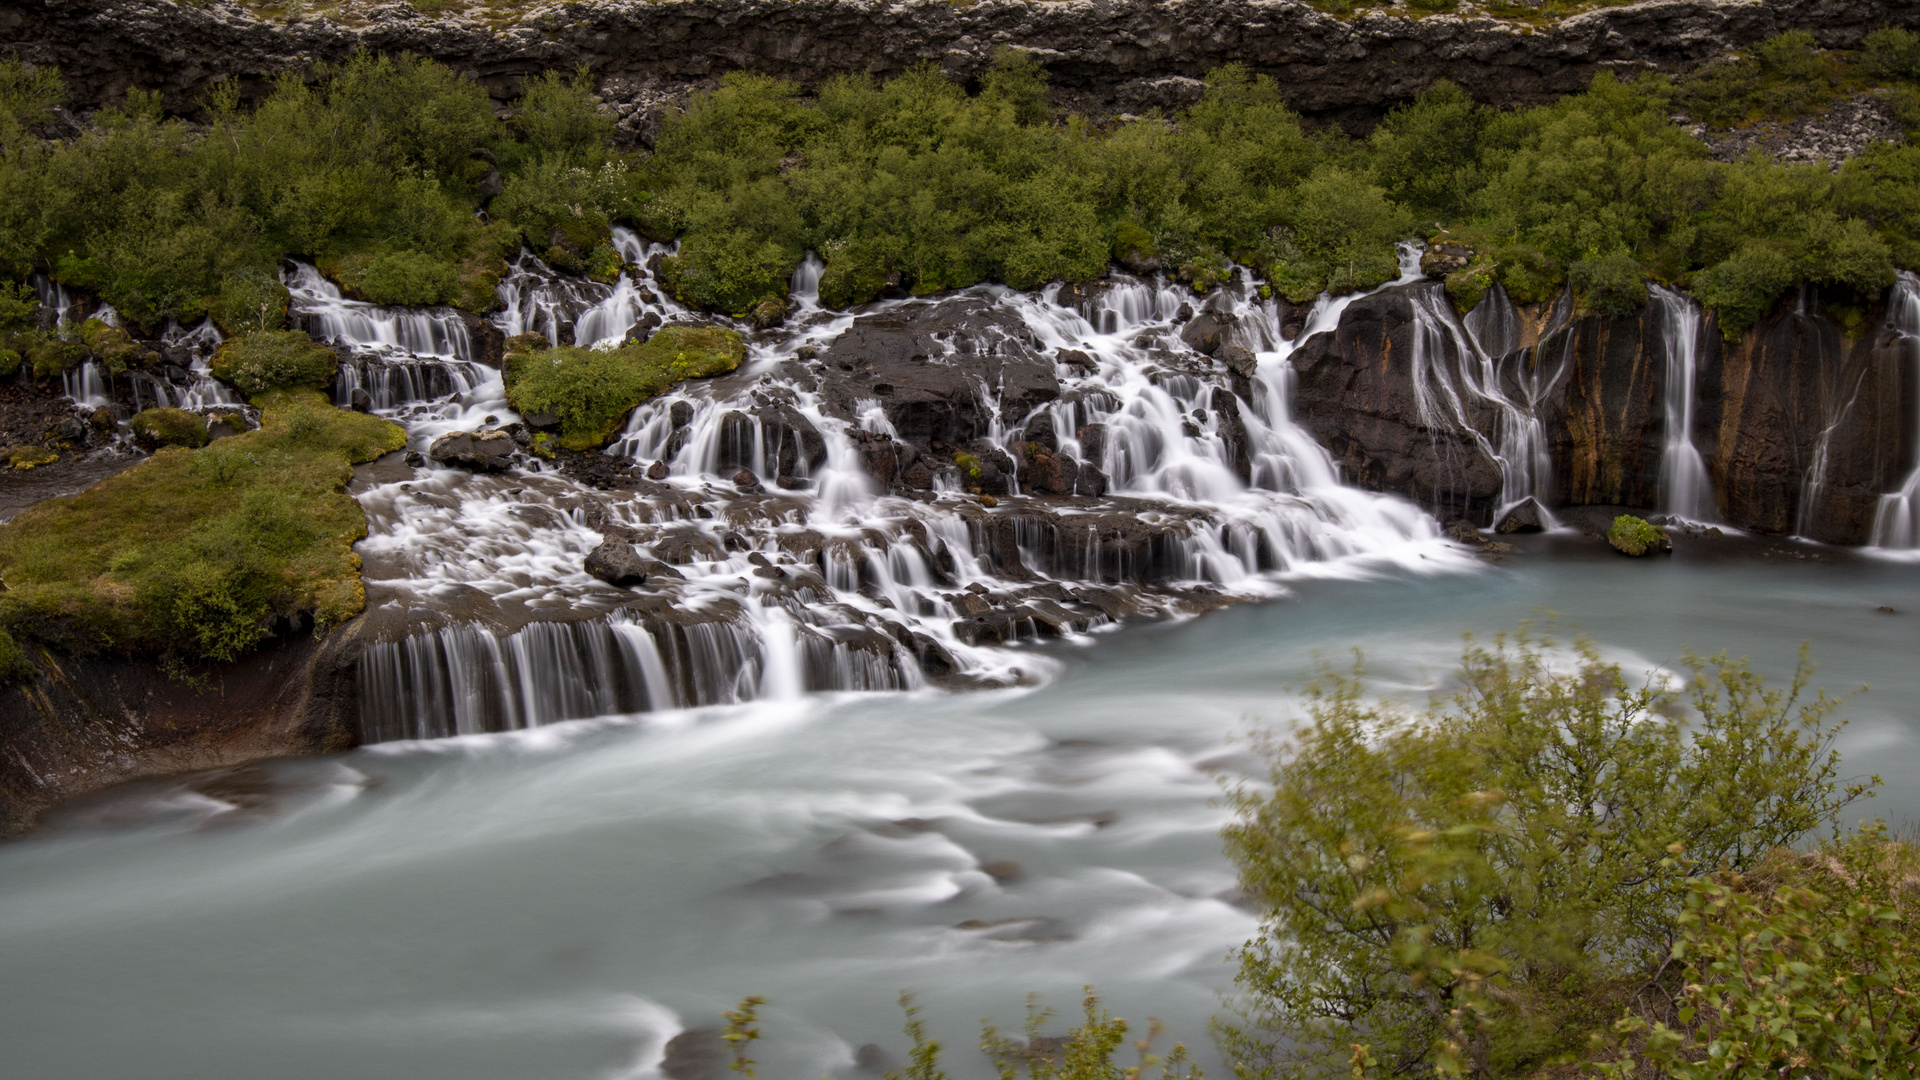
[[1605, 415], [87, 722], [1357, 393], [1122, 55]]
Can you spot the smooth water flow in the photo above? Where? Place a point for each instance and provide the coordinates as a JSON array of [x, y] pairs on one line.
[[1686, 489], [1896, 520]]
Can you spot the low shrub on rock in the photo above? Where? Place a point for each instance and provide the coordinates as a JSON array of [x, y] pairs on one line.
[[591, 391], [192, 555], [156, 428], [1630, 535], [274, 360]]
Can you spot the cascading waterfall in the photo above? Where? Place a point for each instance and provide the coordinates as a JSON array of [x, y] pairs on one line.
[[1686, 489], [1896, 519], [824, 582], [1455, 374]]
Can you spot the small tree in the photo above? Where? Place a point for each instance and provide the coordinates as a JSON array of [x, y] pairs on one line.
[[1478, 887]]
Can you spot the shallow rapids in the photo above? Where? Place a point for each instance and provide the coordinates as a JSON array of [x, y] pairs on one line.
[[556, 903]]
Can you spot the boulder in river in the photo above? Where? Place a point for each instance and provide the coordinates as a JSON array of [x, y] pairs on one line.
[[486, 450], [617, 563], [1526, 516]]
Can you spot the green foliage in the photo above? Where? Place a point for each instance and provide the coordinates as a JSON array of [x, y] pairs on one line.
[[155, 428], [15, 665], [1891, 53], [250, 301], [561, 119], [192, 554], [274, 360], [409, 278], [741, 1031], [591, 391], [1609, 284], [1783, 76], [1477, 887], [1630, 535], [1804, 967]]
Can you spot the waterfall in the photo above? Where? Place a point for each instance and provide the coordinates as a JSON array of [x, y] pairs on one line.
[[817, 578], [1896, 518], [1455, 374], [1686, 490]]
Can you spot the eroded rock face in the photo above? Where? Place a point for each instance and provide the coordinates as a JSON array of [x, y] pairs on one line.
[[1114, 55], [1605, 417], [942, 372], [1356, 393]]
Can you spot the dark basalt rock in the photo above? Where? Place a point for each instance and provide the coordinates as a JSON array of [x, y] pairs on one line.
[[617, 563], [1606, 415], [486, 450], [1527, 516], [1113, 56], [933, 366], [1355, 394]]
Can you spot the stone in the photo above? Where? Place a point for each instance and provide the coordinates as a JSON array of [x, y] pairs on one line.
[[1527, 516], [1004, 871], [695, 1054], [361, 400], [657, 471], [416, 459], [485, 450], [617, 563], [1208, 331], [1239, 360], [539, 421]]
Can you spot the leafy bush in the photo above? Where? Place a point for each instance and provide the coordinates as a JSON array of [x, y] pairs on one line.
[[250, 301], [193, 554], [1891, 53], [591, 391], [1630, 535], [401, 278], [1609, 284], [1481, 884], [274, 360], [1803, 966], [155, 428]]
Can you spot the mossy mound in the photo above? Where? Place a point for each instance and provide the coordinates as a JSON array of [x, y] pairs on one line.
[[194, 554], [271, 360], [1630, 535], [591, 391], [157, 428], [30, 457]]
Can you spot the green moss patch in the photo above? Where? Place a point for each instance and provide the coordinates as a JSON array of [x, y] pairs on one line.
[[157, 428], [274, 360], [591, 391], [1630, 535], [193, 554]]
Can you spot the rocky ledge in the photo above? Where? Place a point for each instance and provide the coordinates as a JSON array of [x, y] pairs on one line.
[[1118, 55]]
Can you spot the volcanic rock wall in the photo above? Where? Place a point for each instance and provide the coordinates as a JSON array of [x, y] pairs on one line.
[[1119, 54]]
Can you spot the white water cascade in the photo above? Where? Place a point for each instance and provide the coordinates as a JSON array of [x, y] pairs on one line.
[[1457, 373], [1193, 487], [1686, 489], [1896, 519]]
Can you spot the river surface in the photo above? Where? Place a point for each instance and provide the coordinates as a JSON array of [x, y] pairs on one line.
[[556, 903]]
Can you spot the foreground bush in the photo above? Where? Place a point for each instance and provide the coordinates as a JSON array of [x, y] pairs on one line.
[[591, 391], [194, 554], [1480, 887]]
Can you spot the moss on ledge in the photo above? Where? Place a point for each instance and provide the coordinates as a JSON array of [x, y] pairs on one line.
[[196, 554], [589, 392]]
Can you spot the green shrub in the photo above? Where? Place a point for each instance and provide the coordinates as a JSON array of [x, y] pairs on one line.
[[729, 273], [9, 363], [401, 278], [155, 428], [1477, 888], [274, 360], [604, 264], [1609, 284], [52, 355], [192, 554], [591, 391], [1630, 535], [250, 301], [1801, 966]]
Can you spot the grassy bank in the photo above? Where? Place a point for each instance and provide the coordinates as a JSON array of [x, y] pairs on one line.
[[196, 554], [589, 392]]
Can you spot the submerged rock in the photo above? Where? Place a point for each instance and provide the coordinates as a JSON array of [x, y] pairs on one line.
[[1526, 517], [617, 563]]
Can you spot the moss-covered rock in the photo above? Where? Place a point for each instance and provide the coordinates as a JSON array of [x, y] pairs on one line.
[[51, 355], [604, 264], [1630, 535], [156, 428], [30, 457], [591, 391], [1134, 249], [113, 347], [193, 554], [271, 360]]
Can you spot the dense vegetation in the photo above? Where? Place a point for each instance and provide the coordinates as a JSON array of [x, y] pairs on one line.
[[377, 167], [589, 392], [195, 554], [1488, 887]]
